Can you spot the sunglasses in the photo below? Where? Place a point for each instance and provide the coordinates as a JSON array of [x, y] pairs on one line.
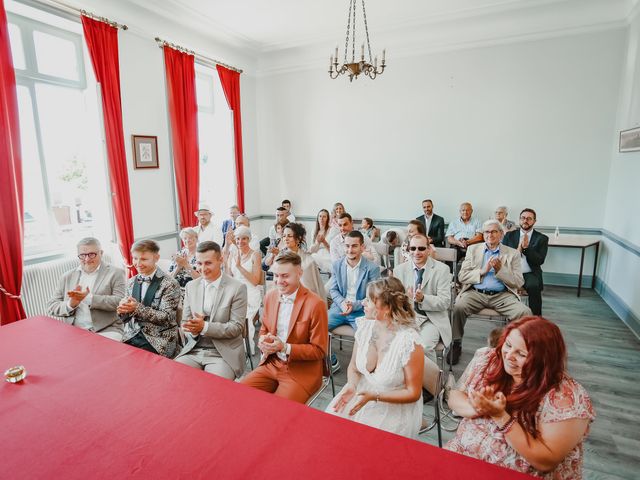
[[413, 249]]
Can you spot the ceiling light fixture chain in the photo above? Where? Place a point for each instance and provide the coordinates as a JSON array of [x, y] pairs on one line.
[[355, 68]]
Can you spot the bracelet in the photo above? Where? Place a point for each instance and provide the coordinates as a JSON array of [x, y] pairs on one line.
[[507, 426]]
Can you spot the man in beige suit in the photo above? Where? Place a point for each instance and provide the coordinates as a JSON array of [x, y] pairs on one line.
[[428, 282], [490, 276], [87, 297], [215, 308]]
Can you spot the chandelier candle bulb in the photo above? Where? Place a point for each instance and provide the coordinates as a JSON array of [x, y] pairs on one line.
[[375, 62], [383, 54], [336, 55], [362, 51]]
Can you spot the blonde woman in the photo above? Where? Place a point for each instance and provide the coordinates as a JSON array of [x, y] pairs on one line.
[[244, 264], [183, 266], [384, 388]]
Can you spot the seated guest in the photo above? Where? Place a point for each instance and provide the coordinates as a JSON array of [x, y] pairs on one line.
[[413, 228], [464, 231], [87, 296], [337, 245], [215, 308], [501, 215], [229, 223], [338, 209], [293, 336], [520, 408], [149, 309], [293, 237], [183, 267], [370, 230], [428, 284], [206, 229], [287, 205], [532, 246], [230, 239], [281, 218], [432, 223], [349, 280], [244, 264], [319, 249], [391, 242], [490, 276], [384, 378]]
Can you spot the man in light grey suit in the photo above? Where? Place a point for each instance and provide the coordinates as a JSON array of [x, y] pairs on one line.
[[87, 297], [490, 276], [215, 308], [428, 282]]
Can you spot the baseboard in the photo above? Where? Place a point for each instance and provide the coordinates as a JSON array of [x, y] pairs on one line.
[[620, 308], [566, 279]]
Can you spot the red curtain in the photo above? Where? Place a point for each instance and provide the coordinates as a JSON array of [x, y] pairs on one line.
[[183, 112], [231, 85], [102, 42], [12, 218]]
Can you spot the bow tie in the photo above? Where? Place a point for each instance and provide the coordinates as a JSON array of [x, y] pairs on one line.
[[287, 300], [143, 279]]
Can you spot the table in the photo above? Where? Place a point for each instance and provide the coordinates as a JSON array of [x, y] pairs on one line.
[[582, 242], [94, 408]]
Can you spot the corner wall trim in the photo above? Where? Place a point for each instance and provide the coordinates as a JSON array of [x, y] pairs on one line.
[[619, 307]]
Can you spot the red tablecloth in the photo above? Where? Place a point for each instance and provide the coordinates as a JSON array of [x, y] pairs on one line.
[[91, 408]]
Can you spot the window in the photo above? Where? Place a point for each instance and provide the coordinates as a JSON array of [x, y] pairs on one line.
[[216, 145], [64, 169]]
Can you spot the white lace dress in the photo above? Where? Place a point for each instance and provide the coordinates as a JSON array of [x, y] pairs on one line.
[[401, 418]]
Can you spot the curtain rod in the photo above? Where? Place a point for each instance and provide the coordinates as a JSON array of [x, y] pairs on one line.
[[201, 58], [57, 4]]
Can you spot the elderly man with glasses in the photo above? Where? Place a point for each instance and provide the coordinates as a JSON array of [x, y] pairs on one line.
[[87, 296], [490, 276]]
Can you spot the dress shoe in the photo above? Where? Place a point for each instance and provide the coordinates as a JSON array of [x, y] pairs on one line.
[[453, 353]]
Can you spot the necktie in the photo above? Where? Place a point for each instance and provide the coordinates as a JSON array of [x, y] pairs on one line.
[[419, 275]]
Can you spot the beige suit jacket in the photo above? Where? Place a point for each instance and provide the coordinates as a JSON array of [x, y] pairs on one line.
[[510, 273], [436, 287], [226, 320], [108, 290]]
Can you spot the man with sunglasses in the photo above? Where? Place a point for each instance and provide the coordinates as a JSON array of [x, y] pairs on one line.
[[490, 276], [428, 282], [87, 296], [532, 246]]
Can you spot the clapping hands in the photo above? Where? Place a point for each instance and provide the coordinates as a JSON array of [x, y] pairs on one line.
[[77, 295], [487, 402], [270, 343], [127, 305]]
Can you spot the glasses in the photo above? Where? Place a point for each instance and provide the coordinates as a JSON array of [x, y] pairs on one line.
[[90, 256], [413, 249], [489, 232]]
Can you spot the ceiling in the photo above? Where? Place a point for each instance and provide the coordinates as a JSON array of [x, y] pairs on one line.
[[271, 25]]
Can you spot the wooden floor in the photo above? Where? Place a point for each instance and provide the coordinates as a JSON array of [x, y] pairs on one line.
[[604, 356]]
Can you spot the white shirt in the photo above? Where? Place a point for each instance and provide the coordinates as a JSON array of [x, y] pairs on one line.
[[526, 268], [427, 223], [291, 217], [284, 319], [352, 278], [209, 233], [209, 295], [83, 312]]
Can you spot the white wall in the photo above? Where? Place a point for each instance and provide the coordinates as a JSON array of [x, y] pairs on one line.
[[621, 269], [521, 124]]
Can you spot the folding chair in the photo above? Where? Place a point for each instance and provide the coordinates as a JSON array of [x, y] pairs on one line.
[[327, 375]]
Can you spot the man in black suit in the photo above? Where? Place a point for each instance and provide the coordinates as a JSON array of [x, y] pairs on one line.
[[433, 224], [532, 246]]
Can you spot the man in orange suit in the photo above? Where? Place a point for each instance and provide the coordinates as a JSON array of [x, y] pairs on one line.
[[293, 337]]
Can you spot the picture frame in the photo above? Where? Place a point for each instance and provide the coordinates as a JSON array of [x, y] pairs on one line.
[[145, 151], [630, 140]]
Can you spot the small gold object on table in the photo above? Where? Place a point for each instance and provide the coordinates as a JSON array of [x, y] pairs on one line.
[[15, 374]]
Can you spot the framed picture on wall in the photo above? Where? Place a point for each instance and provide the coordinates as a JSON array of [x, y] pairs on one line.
[[145, 151], [630, 140]]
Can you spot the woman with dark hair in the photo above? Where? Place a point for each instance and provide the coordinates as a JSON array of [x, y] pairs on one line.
[[293, 238], [321, 238], [369, 229], [521, 409], [384, 379]]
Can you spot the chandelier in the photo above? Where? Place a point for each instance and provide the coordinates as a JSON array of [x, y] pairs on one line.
[[355, 68]]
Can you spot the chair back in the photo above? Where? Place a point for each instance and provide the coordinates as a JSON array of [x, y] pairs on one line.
[[446, 254]]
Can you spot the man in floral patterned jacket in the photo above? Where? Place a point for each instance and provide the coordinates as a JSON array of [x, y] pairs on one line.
[[148, 312]]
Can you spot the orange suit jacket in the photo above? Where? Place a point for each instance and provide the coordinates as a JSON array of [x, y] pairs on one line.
[[308, 335]]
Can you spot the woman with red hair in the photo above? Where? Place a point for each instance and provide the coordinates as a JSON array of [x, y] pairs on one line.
[[521, 409]]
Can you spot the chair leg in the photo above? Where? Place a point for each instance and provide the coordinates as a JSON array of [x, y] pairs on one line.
[[247, 350]]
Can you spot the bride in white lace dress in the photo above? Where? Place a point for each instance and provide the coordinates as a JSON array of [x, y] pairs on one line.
[[384, 388]]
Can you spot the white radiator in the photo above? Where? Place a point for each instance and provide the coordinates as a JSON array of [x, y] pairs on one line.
[[39, 283]]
